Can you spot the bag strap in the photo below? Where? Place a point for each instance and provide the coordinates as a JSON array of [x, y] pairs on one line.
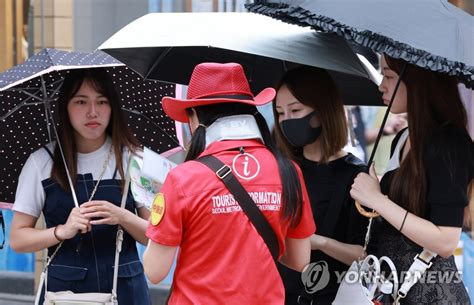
[[119, 239], [423, 262], [256, 217]]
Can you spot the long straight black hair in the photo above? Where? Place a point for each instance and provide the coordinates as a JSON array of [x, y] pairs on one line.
[[291, 195]]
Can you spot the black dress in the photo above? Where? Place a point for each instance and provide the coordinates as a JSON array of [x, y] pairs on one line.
[[449, 159], [326, 183]]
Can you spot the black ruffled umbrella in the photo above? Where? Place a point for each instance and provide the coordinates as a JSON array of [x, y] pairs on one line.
[[432, 34], [28, 89]]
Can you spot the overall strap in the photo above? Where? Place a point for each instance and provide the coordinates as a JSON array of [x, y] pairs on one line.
[[256, 217], [115, 173], [49, 152], [118, 247]]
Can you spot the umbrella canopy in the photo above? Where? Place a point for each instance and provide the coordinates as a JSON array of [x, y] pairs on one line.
[[432, 34], [167, 47], [27, 89]]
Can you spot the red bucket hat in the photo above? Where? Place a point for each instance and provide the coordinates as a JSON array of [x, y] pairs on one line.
[[215, 83]]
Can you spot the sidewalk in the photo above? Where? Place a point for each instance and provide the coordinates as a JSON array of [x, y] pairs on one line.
[[16, 299], [17, 288]]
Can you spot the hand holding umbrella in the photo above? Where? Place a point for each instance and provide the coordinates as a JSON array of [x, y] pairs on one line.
[[366, 189]]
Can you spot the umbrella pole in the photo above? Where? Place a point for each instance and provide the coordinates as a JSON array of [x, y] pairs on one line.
[[71, 185], [360, 209], [157, 61], [389, 107], [49, 118]]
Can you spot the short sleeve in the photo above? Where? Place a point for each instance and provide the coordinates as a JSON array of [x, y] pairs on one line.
[[29, 197], [306, 227], [449, 154], [356, 228], [169, 230]]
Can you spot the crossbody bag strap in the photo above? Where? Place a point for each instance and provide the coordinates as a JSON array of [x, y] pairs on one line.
[[256, 217], [119, 239], [422, 262]]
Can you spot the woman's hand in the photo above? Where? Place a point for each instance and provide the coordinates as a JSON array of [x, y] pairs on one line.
[[366, 189], [108, 212], [76, 222]]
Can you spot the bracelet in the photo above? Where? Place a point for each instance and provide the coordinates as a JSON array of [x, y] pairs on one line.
[[56, 235], [403, 222]]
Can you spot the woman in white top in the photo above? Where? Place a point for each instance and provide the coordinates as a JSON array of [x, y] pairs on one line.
[[96, 143]]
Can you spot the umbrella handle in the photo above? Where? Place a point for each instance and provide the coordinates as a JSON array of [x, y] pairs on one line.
[[363, 212]]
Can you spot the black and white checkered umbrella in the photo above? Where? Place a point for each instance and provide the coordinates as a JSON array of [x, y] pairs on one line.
[[27, 89]]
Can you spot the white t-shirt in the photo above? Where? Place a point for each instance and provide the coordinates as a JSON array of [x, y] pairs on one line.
[[30, 195]]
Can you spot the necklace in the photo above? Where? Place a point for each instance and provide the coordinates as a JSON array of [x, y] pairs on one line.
[[104, 168]]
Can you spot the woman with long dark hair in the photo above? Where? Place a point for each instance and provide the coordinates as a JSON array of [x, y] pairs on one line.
[[312, 130], [96, 143], [422, 196], [222, 258]]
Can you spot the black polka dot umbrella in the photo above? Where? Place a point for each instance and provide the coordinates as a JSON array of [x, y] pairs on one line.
[[26, 90]]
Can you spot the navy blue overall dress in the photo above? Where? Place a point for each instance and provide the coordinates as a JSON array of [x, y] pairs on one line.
[[85, 263]]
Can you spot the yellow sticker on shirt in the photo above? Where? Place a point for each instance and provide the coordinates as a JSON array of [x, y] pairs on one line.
[[157, 209]]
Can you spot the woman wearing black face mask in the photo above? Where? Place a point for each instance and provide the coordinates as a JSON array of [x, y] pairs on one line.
[[312, 130]]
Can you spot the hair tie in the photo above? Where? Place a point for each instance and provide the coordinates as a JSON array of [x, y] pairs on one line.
[[202, 125]]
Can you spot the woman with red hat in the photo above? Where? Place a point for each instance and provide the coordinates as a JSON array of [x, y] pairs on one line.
[[223, 259]]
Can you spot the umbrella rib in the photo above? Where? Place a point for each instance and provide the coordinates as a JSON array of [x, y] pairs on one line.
[[157, 61], [153, 123], [30, 96], [24, 103], [49, 118]]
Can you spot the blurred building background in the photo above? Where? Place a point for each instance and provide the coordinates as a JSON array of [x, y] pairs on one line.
[[27, 26]]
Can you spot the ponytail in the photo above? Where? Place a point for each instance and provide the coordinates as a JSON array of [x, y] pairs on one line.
[[198, 143]]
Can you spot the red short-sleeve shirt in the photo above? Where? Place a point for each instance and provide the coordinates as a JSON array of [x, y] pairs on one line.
[[222, 258]]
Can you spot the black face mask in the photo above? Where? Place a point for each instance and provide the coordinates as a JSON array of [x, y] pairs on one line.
[[298, 132]]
